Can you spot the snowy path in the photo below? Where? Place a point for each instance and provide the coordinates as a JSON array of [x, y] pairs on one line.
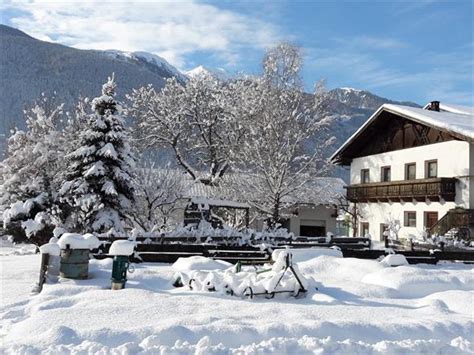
[[361, 306]]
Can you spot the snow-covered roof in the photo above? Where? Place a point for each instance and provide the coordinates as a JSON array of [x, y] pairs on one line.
[[459, 109], [455, 119], [460, 124], [321, 191], [220, 203]]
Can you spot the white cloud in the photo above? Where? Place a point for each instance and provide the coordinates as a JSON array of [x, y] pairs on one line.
[[173, 30]]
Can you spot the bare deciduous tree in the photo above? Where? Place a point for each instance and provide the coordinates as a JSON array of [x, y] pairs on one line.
[[157, 192], [198, 121], [277, 147]]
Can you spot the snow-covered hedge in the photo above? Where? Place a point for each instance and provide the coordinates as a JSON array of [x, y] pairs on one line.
[[205, 234]]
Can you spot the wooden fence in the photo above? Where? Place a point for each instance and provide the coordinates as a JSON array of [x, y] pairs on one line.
[[351, 247]]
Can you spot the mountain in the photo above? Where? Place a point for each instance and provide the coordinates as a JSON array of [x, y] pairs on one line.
[[30, 67], [153, 62], [218, 73], [352, 107]]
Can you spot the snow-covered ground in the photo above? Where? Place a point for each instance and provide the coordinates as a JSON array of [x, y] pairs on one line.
[[361, 306]]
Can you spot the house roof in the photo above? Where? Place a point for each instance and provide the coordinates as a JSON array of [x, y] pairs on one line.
[[460, 109], [321, 191], [454, 119]]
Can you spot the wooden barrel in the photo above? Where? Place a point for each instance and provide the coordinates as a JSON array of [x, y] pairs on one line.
[[74, 263]]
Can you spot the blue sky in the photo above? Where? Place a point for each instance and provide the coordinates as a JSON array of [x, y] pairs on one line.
[[404, 50]]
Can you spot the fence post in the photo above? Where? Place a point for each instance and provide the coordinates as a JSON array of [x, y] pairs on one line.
[[43, 270]]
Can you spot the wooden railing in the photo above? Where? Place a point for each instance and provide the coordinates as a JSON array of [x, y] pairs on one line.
[[433, 189], [459, 219]]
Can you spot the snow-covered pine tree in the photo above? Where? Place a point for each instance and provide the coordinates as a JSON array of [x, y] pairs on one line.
[[98, 189], [28, 188]]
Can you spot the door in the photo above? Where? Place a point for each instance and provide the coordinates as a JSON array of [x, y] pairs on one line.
[[312, 231], [430, 219]]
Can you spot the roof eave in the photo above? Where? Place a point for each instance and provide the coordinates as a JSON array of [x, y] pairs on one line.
[[336, 157]]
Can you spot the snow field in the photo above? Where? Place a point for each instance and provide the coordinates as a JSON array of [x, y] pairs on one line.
[[361, 306]]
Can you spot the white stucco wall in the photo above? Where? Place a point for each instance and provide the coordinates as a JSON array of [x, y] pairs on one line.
[[378, 213], [314, 216], [455, 159], [470, 179]]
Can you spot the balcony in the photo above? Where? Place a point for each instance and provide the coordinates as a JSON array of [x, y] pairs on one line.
[[433, 189]]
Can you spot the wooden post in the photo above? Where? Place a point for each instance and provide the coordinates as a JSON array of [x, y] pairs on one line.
[[43, 270]]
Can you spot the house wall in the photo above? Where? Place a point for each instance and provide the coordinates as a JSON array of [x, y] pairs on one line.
[[470, 179], [311, 216], [382, 213], [314, 216], [455, 159]]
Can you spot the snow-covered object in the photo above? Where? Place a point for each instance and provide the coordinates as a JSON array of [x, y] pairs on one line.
[[204, 203], [304, 254], [32, 226], [58, 232], [122, 247], [196, 130], [50, 248], [200, 263], [29, 171], [204, 274], [394, 260], [98, 186], [344, 316], [78, 241], [205, 232]]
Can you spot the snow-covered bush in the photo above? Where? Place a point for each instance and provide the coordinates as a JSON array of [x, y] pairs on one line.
[[98, 190], [205, 233]]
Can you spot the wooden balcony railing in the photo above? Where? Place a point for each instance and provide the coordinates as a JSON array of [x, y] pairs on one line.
[[433, 189]]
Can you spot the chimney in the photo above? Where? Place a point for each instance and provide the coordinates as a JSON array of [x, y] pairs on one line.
[[434, 106]]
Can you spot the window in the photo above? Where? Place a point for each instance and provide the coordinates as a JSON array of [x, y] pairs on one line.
[[364, 229], [410, 219], [431, 169], [430, 219], [383, 229], [364, 176], [385, 173], [410, 171]]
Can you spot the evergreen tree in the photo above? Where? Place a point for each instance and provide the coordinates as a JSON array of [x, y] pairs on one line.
[[98, 188]]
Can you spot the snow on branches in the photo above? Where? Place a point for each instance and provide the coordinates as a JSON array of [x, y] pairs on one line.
[[198, 121], [28, 173], [98, 189], [157, 192], [284, 137]]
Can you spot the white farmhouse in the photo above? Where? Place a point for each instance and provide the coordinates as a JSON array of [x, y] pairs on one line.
[[412, 168]]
